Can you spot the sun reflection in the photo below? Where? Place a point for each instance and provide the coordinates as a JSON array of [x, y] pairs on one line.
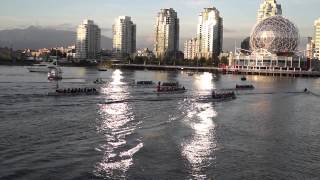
[[117, 124], [117, 77], [204, 81], [198, 151]]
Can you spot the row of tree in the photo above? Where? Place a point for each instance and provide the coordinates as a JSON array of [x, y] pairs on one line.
[[201, 62]]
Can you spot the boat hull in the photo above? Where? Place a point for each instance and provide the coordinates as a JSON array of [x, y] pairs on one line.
[[72, 94], [171, 92], [40, 70]]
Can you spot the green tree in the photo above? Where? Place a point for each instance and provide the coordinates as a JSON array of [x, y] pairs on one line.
[[224, 60], [202, 61]]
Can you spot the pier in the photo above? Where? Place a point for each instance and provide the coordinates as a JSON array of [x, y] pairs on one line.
[[240, 71]]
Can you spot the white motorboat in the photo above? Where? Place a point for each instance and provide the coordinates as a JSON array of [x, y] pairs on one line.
[[44, 67]]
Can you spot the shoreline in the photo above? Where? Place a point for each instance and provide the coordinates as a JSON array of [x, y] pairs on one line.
[[26, 63], [238, 71]]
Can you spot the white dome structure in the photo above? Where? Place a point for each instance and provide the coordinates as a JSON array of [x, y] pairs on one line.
[[276, 35]]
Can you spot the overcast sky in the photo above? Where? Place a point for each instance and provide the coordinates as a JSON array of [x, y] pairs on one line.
[[239, 15]]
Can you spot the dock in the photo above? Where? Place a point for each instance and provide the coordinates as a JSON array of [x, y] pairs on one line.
[[239, 71]]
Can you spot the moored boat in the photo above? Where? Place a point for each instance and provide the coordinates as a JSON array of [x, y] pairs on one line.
[[243, 78]]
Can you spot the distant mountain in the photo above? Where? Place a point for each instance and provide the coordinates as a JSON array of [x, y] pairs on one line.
[[35, 37], [38, 37]]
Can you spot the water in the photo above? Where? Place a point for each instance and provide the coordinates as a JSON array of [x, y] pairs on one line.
[[272, 132]]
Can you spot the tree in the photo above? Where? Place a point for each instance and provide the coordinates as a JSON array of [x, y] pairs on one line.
[[202, 61], [215, 60], [224, 60], [140, 60]]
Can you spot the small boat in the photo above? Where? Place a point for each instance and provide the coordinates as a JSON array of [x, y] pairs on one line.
[[102, 69], [243, 78], [170, 87], [99, 81], [145, 83], [54, 73], [190, 74], [74, 92], [243, 87], [43, 67], [223, 95]]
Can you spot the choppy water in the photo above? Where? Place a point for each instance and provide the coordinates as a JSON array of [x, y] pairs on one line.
[[131, 133]]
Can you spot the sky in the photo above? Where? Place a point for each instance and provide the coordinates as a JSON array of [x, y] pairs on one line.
[[239, 16]]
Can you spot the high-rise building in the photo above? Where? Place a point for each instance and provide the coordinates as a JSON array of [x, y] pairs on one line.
[[310, 49], [209, 34], [124, 36], [317, 39], [88, 40], [190, 48], [269, 8], [166, 33]]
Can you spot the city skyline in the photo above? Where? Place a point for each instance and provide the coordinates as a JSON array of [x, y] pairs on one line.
[[67, 14]]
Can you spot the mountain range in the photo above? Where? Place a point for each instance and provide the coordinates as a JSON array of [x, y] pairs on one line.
[[35, 37]]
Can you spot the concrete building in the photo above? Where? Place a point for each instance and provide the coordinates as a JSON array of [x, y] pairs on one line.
[[190, 49], [317, 39], [88, 40], [124, 36], [145, 53], [166, 33], [209, 33], [310, 49], [269, 8]]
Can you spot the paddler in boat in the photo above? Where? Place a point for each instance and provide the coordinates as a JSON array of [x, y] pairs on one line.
[[159, 86], [213, 93]]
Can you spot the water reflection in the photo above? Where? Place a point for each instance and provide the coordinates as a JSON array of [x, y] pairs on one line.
[[204, 81], [199, 150], [117, 123]]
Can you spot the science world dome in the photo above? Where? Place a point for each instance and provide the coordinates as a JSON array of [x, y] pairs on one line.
[[276, 35]]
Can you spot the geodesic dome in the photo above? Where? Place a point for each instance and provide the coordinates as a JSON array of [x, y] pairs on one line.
[[275, 34]]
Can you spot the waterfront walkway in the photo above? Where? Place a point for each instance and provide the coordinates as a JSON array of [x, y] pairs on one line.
[[165, 67], [264, 72]]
